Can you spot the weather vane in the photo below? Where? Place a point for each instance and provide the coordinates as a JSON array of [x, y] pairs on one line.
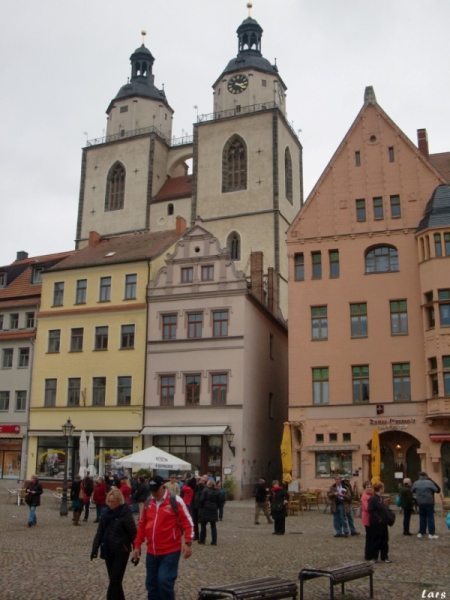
[[249, 6]]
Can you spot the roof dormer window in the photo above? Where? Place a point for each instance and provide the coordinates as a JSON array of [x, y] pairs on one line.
[[2, 279], [36, 275]]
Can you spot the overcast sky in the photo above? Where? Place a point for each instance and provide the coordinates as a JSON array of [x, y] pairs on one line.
[[62, 62]]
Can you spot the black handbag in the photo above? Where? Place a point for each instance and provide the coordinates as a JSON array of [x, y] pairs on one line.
[[390, 517]]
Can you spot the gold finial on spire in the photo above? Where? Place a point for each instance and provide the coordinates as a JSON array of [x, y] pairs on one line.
[[143, 33], [249, 6]]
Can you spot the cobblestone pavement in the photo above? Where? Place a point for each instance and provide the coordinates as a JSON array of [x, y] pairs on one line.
[[51, 561]]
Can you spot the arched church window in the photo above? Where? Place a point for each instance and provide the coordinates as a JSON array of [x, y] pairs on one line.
[[288, 175], [115, 187], [170, 209], [234, 165], [234, 245]]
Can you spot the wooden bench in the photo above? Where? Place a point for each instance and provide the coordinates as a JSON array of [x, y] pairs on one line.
[[339, 573], [269, 588]]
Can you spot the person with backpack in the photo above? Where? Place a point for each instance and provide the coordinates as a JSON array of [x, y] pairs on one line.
[[425, 488], [87, 486], [164, 521], [406, 503]]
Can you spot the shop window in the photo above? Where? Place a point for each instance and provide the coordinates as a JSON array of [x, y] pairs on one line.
[[358, 320], [402, 381], [319, 322], [399, 317], [331, 464]]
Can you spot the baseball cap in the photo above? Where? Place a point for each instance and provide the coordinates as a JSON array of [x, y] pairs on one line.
[[155, 483]]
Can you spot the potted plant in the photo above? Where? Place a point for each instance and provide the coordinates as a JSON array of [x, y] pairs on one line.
[[230, 486]]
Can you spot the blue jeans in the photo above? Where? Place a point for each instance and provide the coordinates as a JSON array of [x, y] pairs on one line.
[[162, 572], [99, 508], [340, 520], [32, 515], [426, 515], [351, 524]]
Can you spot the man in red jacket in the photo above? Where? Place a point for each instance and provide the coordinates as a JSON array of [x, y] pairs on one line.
[[163, 530]]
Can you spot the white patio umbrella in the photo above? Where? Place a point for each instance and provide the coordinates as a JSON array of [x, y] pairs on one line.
[[83, 453], [91, 455], [153, 458]]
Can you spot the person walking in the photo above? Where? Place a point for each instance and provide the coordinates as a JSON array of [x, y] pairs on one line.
[[99, 497], [223, 499], [407, 504], [349, 512], [378, 525], [260, 492], [76, 499], [210, 502], [163, 528], [172, 485], [141, 493], [125, 488], [278, 503], [33, 498], [339, 496], [87, 486], [425, 488], [187, 492], [195, 504], [115, 535], [365, 518]]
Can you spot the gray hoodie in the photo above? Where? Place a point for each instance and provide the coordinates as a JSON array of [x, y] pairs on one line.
[[425, 489]]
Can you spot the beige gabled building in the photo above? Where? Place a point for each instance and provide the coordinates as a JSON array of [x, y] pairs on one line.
[[369, 311], [216, 363]]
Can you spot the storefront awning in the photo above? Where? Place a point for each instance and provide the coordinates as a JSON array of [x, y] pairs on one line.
[[77, 433], [185, 430], [342, 447], [11, 435], [440, 437]]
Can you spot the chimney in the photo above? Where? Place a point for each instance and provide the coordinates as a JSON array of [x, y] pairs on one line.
[[256, 274], [422, 142], [94, 238], [273, 291], [180, 226], [21, 255]]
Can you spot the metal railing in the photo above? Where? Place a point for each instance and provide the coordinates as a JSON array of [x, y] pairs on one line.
[[243, 110], [180, 141]]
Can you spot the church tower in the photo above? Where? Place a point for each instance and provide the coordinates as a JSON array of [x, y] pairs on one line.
[[123, 171], [247, 185]]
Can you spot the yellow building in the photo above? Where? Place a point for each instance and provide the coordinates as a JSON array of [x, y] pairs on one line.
[[90, 350]]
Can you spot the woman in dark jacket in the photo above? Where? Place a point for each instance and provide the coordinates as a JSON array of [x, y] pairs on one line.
[[141, 493], [278, 502], [77, 502], [195, 504], [114, 537], [378, 524], [210, 502], [407, 500], [34, 491]]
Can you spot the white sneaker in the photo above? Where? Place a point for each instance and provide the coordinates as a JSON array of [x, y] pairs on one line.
[[433, 537], [419, 535]]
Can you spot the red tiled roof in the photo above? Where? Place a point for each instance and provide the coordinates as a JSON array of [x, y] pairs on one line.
[[122, 249], [17, 335], [21, 286], [175, 187], [441, 162]]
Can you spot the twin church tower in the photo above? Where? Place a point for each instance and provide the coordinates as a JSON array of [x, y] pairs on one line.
[[246, 184]]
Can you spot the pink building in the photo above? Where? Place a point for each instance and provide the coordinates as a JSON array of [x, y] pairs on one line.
[[216, 380], [369, 310]]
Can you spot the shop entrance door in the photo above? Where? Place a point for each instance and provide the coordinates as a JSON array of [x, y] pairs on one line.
[[388, 469], [10, 457]]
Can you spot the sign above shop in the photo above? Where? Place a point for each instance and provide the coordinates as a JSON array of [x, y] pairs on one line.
[[383, 424], [9, 428]]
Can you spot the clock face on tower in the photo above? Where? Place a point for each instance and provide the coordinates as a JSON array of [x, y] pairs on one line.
[[237, 84]]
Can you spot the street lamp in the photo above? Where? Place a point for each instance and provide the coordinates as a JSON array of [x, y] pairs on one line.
[[67, 433], [229, 435]]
